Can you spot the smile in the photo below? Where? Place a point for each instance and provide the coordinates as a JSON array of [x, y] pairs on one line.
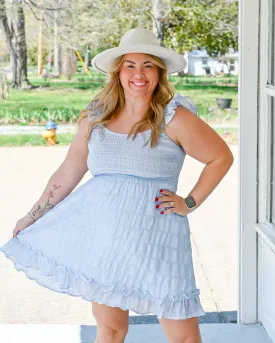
[[139, 84]]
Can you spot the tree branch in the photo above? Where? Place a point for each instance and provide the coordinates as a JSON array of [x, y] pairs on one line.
[[45, 8]]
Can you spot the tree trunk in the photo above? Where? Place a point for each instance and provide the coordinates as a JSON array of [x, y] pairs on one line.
[[69, 66], [87, 57], [158, 19], [18, 25], [8, 34], [57, 45]]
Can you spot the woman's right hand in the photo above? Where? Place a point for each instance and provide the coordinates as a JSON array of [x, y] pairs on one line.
[[21, 224]]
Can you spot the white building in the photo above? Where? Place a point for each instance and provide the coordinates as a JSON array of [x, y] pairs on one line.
[[200, 63]]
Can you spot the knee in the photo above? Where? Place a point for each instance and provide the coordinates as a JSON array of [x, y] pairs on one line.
[[111, 335]]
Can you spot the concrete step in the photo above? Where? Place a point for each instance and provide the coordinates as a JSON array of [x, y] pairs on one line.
[[143, 333]]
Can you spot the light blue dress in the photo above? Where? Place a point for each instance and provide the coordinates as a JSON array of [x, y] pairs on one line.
[[106, 242]]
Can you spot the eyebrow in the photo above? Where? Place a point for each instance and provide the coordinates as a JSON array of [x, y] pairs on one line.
[[135, 62]]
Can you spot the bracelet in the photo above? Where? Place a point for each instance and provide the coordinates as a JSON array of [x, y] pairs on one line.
[[29, 215]]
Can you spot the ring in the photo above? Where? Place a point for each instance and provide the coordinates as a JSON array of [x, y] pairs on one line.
[[172, 203]]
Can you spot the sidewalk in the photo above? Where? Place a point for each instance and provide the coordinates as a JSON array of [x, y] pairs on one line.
[[213, 231], [62, 128]]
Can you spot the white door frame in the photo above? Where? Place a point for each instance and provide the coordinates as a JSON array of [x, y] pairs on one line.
[[248, 160]]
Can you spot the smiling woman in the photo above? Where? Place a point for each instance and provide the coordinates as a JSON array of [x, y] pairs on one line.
[[125, 233]]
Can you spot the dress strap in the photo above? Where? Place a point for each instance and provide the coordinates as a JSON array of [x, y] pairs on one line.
[[178, 100]]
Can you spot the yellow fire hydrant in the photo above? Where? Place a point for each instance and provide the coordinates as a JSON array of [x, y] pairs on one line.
[[50, 133]]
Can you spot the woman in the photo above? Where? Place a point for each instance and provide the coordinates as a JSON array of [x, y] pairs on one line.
[[122, 240]]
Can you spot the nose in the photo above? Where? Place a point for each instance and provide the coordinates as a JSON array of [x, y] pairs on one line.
[[139, 71]]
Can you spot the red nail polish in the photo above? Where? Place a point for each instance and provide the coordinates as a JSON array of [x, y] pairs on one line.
[[157, 206], [161, 190], [157, 199], [161, 212]]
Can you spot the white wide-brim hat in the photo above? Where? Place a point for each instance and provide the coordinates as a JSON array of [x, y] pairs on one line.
[[139, 41]]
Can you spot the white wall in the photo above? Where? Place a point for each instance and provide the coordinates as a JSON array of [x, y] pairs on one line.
[[266, 300]]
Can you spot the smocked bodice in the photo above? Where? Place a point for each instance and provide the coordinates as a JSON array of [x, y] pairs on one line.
[[115, 153]]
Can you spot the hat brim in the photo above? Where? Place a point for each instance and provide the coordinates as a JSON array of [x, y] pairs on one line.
[[174, 62]]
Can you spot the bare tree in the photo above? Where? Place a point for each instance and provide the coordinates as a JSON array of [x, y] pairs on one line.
[[14, 33], [8, 34], [158, 12], [57, 43], [19, 38]]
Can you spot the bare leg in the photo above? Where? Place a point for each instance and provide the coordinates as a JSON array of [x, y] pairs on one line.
[[112, 323], [181, 330]]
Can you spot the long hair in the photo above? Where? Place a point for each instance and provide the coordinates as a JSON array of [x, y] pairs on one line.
[[110, 101]]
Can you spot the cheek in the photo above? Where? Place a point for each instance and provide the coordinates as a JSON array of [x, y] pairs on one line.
[[124, 73], [124, 76], [154, 77]]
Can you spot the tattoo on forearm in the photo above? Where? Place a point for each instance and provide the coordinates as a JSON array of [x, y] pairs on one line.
[[39, 209]]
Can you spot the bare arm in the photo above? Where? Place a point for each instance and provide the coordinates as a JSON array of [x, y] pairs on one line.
[[66, 177], [201, 142]]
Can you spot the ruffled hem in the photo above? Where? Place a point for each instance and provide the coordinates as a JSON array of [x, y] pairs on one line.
[[59, 278]]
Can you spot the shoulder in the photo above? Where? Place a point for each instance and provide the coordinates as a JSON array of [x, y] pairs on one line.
[[179, 101]]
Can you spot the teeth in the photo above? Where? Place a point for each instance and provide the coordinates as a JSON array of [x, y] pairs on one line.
[[139, 84]]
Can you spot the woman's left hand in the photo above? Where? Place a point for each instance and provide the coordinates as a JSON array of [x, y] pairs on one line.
[[173, 202]]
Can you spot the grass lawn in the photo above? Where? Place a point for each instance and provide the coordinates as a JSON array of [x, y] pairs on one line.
[[33, 140], [61, 100]]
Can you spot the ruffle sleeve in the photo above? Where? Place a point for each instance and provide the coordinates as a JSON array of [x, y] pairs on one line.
[[92, 111], [178, 100]]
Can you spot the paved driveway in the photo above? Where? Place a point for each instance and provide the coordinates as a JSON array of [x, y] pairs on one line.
[[23, 176]]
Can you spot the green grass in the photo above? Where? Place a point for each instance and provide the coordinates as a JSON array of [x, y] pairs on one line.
[[33, 140], [61, 100], [38, 106]]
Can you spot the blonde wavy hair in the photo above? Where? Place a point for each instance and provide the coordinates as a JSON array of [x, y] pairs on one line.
[[110, 101]]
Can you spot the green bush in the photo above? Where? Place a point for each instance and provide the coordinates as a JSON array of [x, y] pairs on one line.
[[33, 55]]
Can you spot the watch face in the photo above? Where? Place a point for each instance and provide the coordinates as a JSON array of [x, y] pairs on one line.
[[190, 202]]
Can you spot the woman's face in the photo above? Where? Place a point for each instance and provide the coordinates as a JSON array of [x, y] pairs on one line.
[[138, 74]]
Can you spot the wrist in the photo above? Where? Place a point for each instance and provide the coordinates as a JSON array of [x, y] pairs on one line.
[[31, 217], [190, 203]]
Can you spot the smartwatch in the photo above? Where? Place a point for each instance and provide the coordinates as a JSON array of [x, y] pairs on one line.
[[190, 202]]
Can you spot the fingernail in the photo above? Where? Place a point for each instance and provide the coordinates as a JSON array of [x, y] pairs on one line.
[[162, 212], [157, 206], [157, 199], [161, 190]]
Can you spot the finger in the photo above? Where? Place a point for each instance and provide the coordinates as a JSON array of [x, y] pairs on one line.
[[167, 204], [15, 232], [166, 192], [165, 198], [170, 210]]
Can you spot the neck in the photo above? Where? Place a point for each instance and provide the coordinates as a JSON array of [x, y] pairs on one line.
[[136, 106]]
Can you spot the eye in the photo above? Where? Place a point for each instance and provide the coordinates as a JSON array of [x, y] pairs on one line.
[[148, 66], [130, 66]]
